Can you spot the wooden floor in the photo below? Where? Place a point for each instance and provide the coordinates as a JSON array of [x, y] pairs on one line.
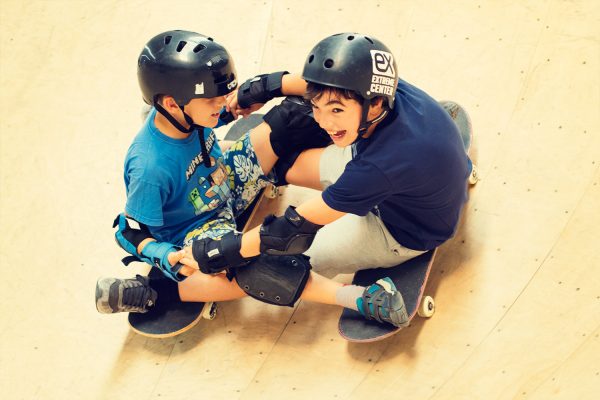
[[517, 290]]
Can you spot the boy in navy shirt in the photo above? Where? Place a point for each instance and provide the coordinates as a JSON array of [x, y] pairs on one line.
[[395, 179]]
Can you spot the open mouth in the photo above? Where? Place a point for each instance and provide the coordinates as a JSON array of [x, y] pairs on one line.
[[338, 135], [215, 115]]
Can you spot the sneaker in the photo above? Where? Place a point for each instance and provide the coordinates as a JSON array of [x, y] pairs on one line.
[[124, 295], [383, 302]]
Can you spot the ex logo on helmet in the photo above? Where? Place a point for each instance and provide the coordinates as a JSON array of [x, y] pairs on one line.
[[383, 63]]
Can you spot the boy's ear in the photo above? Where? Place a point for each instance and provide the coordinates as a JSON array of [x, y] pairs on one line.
[[376, 107], [378, 102], [169, 103]]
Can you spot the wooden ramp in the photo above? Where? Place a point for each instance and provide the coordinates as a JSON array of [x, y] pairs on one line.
[[517, 290]]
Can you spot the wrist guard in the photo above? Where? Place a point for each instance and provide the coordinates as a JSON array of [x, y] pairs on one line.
[[288, 234], [216, 255], [156, 254]]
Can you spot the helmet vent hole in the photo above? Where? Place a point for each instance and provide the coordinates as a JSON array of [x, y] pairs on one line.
[[211, 39], [181, 45], [369, 39], [328, 63], [168, 39], [311, 58], [199, 47], [350, 37]]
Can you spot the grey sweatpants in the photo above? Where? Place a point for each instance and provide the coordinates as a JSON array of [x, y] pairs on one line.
[[352, 242]]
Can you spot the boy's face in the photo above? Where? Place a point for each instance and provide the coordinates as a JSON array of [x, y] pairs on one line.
[[339, 116], [205, 112]]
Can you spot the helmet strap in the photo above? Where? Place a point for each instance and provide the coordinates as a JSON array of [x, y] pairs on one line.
[[364, 124], [172, 119], [193, 127]]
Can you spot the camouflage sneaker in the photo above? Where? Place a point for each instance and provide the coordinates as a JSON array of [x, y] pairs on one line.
[[383, 302], [124, 295]]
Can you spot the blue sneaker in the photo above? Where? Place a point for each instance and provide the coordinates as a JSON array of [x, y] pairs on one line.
[[383, 302]]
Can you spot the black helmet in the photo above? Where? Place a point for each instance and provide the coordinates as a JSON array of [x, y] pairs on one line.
[[355, 62], [185, 65]]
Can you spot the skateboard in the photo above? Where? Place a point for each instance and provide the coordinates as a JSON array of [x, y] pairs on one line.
[[409, 277], [169, 319], [463, 122]]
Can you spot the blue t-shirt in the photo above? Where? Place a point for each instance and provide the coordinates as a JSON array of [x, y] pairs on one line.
[[168, 186], [412, 172]]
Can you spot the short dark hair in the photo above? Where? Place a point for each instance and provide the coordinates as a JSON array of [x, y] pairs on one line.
[[316, 90]]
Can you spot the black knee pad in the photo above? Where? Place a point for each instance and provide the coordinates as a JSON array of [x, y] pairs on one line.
[[293, 128], [282, 166], [277, 280]]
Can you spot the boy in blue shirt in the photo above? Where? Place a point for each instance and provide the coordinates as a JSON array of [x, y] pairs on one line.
[[183, 190]]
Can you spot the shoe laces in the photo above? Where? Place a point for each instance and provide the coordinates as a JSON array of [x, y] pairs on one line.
[[137, 294]]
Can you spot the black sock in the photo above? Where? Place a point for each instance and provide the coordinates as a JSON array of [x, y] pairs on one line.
[[167, 289]]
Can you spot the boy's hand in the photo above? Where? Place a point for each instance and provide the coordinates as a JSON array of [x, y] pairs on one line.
[[187, 258], [178, 257], [164, 256]]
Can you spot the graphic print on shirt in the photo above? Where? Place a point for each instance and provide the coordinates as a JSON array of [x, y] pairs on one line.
[[212, 189]]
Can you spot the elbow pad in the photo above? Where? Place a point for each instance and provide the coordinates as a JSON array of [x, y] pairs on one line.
[[260, 89]]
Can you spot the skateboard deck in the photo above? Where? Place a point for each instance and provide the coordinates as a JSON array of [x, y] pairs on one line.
[[167, 319], [409, 277], [173, 318], [463, 122]]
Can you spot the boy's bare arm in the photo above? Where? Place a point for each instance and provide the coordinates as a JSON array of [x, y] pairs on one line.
[[293, 85]]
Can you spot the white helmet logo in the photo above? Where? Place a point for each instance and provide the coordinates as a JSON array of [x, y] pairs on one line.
[[383, 63], [383, 80], [199, 88], [232, 84]]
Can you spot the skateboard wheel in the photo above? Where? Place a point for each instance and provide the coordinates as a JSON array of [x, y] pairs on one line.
[[474, 177], [271, 192], [209, 311], [427, 307]]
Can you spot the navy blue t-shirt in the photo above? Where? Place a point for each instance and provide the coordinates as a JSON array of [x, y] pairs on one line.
[[412, 171]]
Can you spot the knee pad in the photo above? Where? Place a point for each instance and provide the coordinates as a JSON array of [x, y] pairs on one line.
[[293, 128], [282, 166], [278, 280]]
